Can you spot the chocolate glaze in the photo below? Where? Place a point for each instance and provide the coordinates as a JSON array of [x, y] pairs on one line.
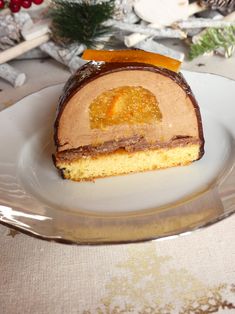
[[61, 172], [93, 70]]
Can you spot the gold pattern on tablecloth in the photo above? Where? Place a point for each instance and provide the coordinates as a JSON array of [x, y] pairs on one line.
[[12, 233], [145, 284]]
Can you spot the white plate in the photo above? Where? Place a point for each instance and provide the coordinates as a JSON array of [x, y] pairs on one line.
[[135, 207]]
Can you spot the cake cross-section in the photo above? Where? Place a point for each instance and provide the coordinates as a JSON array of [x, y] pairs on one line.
[[119, 118]]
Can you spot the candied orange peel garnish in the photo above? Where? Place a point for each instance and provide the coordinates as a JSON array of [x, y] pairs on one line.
[[139, 56]]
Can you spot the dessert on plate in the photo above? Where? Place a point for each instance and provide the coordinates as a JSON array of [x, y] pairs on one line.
[[125, 115]]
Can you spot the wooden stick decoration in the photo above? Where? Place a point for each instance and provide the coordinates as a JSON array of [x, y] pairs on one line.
[[21, 48], [36, 29], [68, 57], [160, 33], [135, 38], [153, 46], [13, 76], [203, 23]]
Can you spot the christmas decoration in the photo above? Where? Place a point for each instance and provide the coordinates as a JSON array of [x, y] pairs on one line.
[[10, 74], [21, 48], [37, 2], [9, 31], [213, 39], [153, 46], [26, 4], [160, 33], [228, 18], [81, 21], [215, 4], [71, 27], [15, 5], [2, 4], [68, 56], [168, 12], [33, 30], [124, 11], [203, 23], [223, 6], [13, 28]]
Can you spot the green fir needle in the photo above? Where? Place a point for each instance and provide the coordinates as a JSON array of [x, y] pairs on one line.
[[212, 39], [81, 21]]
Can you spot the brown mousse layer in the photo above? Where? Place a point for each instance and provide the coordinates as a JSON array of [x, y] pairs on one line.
[[134, 142]]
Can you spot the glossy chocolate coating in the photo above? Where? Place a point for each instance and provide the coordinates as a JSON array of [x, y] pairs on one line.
[[93, 70]]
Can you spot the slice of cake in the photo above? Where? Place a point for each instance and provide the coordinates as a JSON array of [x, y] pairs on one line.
[[117, 118]]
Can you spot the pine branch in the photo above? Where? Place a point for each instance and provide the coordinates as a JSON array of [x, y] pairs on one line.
[[213, 39], [81, 21], [215, 4]]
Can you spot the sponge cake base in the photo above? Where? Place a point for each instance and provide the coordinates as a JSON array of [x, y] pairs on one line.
[[122, 162]]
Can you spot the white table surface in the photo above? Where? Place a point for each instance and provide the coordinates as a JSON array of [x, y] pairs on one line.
[[190, 274]]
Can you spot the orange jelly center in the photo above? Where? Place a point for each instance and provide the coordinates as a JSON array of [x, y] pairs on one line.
[[124, 105]]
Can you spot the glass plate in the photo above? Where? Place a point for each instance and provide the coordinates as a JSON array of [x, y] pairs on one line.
[[121, 209]]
